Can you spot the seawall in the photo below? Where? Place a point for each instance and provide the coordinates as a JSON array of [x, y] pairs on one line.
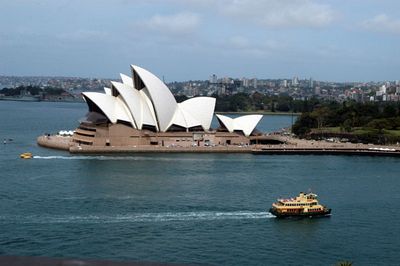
[[292, 147], [327, 151], [160, 149]]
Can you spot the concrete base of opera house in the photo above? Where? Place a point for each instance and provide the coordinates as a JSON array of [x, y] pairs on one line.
[[108, 138], [67, 144]]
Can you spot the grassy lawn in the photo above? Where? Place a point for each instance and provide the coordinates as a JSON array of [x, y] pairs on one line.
[[361, 131], [392, 132], [357, 131], [362, 134], [327, 129]]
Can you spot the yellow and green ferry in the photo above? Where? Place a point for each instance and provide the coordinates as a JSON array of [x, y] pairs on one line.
[[304, 205]]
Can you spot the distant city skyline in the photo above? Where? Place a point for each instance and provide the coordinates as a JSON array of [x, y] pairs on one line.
[[332, 40]]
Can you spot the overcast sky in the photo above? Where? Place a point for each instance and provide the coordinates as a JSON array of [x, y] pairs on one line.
[[342, 40]]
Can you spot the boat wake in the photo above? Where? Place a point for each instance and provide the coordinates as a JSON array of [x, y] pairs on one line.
[[55, 157], [129, 158], [140, 217]]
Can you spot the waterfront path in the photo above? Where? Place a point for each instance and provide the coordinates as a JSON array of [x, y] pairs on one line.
[[302, 146]]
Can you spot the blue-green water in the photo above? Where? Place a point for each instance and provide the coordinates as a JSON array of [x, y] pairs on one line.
[[197, 208]]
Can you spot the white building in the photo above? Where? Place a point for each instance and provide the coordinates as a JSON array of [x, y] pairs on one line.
[[141, 109]]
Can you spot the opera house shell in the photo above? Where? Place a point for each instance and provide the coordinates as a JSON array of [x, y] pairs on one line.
[[141, 111]]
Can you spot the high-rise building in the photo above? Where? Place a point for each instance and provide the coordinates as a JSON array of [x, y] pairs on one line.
[[213, 79], [245, 82], [383, 89], [295, 81], [254, 81]]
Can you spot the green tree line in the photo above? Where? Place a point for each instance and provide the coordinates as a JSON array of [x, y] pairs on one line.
[[376, 122], [258, 102], [33, 90]]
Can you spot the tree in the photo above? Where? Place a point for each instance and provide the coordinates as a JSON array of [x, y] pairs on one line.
[[304, 124], [320, 115], [347, 125], [389, 111], [273, 106]]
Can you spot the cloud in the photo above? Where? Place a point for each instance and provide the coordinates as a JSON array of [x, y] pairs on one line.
[[265, 13], [279, 13], [178, 24], [382, 23], [83, 35], [242, 45], [239, 42]]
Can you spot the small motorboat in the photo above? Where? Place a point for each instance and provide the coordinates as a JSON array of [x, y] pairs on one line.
[[26, 155], [304, 205]]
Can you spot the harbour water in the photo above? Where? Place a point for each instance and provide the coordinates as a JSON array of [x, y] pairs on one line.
[[187, 208]]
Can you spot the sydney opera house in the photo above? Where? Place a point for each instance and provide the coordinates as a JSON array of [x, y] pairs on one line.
[[141, 111]]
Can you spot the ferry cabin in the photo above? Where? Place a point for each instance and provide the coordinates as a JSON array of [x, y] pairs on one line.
[[302, 203]]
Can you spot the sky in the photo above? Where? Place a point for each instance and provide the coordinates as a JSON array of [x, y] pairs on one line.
[[330, 40]]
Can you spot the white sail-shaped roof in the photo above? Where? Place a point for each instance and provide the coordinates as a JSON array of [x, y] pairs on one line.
[[184, 119], [201, 108], [107, 91], [227, 122], [144, 100], [122, 111], [149, 116], [246, 123], [132, 100], [126, 80], [111, 106], [137, 104], [163, 101]]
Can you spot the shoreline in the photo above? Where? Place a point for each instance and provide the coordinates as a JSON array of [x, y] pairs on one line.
[[291, 146], [40, 100]]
